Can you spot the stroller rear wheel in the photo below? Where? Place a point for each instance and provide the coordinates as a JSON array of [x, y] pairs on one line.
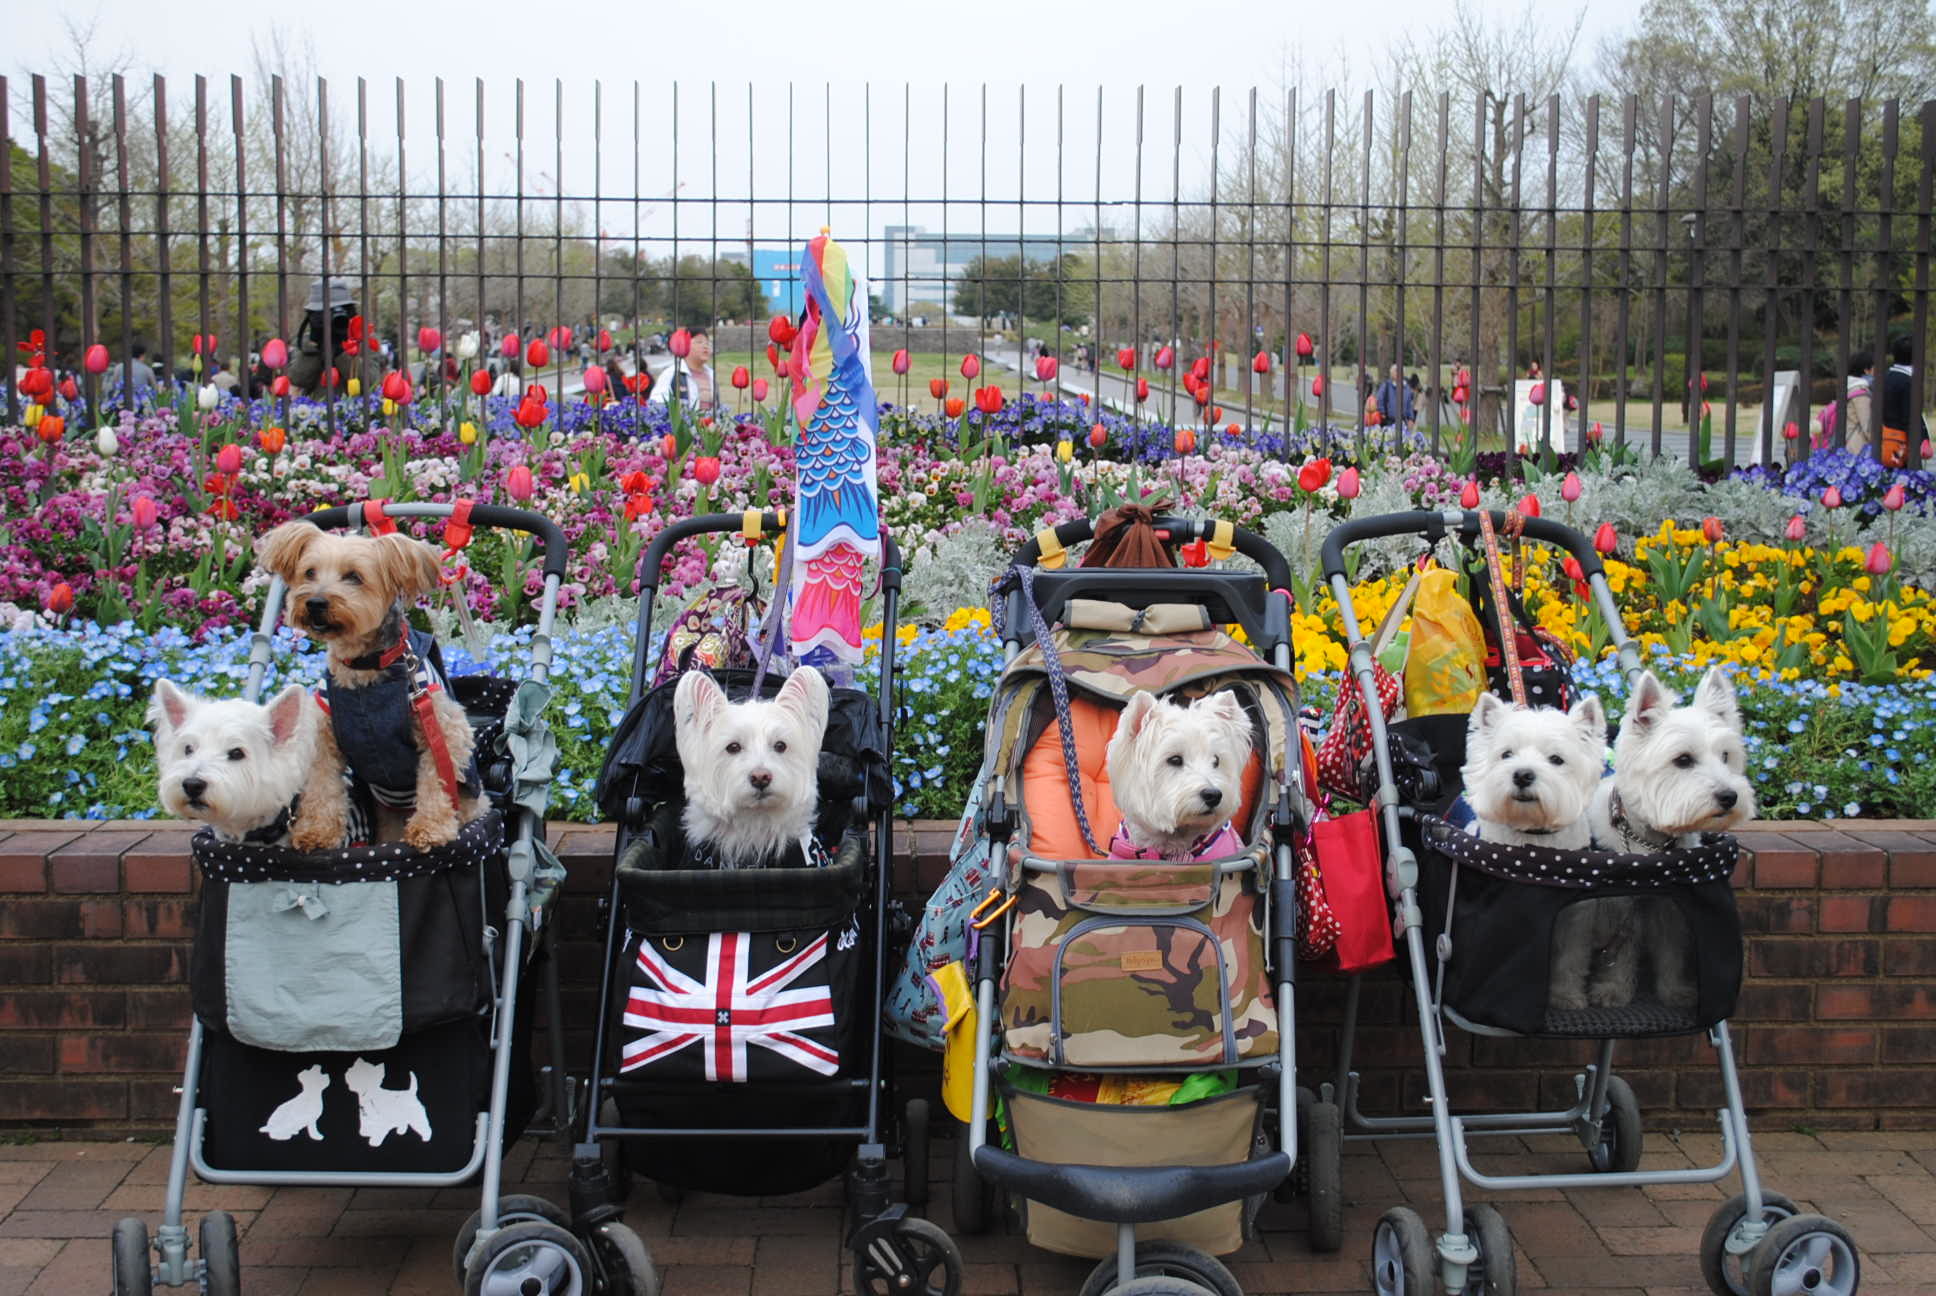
[[221, 1258], [1497, 1273], [1805, 1253], [908, 1256], [1320, 1149], [535, 1258], [1727, 1273], [1403, 1262], [1171, 1267], [134, 1274], [1619, 1147], [517, 1208], [974, 1196], [628, 1266], [914, 1152]]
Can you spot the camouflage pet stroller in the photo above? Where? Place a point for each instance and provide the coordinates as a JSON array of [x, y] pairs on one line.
[[1133, 1019]]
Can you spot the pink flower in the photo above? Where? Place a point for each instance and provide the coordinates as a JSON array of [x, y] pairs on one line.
[[96, 360], [1469, 495], [229, 459], [1879, 561], [144, 512], [275, 353], [428, 339], [1832, 497], [901, 361], [1606, 539], [594, 380], [1570, 487], [1797, 528], [518, 484], [1348, 486], [1538, 394], [510, 346], [1894, 498]]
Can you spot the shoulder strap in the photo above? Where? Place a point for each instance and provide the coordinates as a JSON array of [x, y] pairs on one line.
[[1059, 693]]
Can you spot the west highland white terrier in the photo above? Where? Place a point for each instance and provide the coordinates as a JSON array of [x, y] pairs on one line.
[[1176, 774], [752, 767], [349, 592], [1529, 773], [236, 766], [382, 1112]]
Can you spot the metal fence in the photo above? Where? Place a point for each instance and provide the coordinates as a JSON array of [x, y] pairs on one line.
[[1645, 259]]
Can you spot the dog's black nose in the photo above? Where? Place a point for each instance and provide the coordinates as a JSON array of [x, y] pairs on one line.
[[761, 780], [317, 608], [194, 788], [1211, 798], [1727, 797], [1523, 778]]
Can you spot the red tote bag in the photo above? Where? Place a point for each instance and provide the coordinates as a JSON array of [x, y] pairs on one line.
[[1353, 873]]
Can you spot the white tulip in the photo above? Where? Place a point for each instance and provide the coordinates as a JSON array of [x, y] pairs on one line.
[[467, 346], [106, 443], [209, 397]]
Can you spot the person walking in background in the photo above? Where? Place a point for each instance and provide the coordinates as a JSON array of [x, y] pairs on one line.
[[1397, 405], [1899, 414], [510, 383], [1846, 418]]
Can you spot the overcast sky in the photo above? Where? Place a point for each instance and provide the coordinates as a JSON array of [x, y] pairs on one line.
[[837, 57]]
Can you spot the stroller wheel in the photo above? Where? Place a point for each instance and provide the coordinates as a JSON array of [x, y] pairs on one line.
[[535, 1258], [627, 1264], [1805, 1253], [1321, 1151], [974, 1196], [1171, 1266], [1727, 1274], [908, 1256], [1619, 1147], [222, 1261], [517, 1208], [133, 1273], [1497, 1273], [1403, 1261], [914, 1152], [1298, 1182]]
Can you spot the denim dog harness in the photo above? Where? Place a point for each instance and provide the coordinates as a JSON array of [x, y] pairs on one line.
[[372, 724]]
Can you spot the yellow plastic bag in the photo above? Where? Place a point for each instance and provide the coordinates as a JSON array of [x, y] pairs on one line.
[[959, 1024], [1445, 665]]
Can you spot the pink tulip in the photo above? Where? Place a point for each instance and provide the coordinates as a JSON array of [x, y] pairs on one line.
[[970, 367], [96, 359], [144, 512], [518, 484], [1045, 367], [594, 380], [1832, 497], [1791, 430], [1538, 394], [1595, 433], [680, 343], [1317, 385], [1570, 487], [275, 353], [1797, 528], [1348, 485], [229, 459], [428, 339], [901, 361], [759, 390], [510, 346], [1879, 561], [1165, 357], [1894, 498], [1606, 539]]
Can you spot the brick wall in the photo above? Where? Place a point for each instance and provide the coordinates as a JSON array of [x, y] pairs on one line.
[[1836, 1026]]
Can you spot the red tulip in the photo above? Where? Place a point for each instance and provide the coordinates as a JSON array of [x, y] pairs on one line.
[[989, 400], [901, 362], [1705, 408], [1606, 540], [971, 366], [1186, 441], [1348, 484], [144, 512], [955, 406], [759, 390], [60, 599], [1538, 394], [481, 381], [595, 379], [1195, 554], [272, 439], [1200, 367], [773, 358], [1216, 413], [1469, 494], [279, 386], [1529, 506], [1232, 430], [1894, 498], [1202, 395], [1712, 529], [1165, 357], [780, 329], [635, 483], [1190, 383], [1313, 475], [275, 353], [1317, 385], [537, 355], [518, 483], [1797, 528], [536, 393], [510, 346], [604, 340], [331, 378], [69, 389], [937, 387], [96, 359], [1374, 418], [1260, 363], [1305, 347], [37, 383], [396, 387], [1142, 390], [1126, 359], [706, 469], [1878, 561], [51, 428], [560, 336], [1098, 435], [741, 378], [429, 339], [669, 446], [1832, 497], [1594, 433], [229, 459], [202, 346], [1571, 487], [1465, 414], [1791, 430], [1045, 368], [680, 343], [529, 413], [1571, 566]]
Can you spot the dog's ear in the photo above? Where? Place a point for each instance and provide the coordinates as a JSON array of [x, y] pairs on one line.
[[1224, 706], [1651, 701], [1486, 712], [286, 713], [1716, 696], [280, 553], [805, 696], [1136, 714], [409, 566], [1591, 717], [169, 705], [697, 700]]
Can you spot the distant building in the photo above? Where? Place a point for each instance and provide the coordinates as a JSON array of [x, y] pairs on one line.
[[923, 267], [778, 273]]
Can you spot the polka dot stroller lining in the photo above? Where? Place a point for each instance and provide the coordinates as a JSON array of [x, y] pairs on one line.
[[1621, 932]]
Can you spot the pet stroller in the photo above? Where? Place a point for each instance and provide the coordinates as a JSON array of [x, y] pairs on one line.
[[362, 1016], [738, 1047], [1163, 989], [1491, 914]]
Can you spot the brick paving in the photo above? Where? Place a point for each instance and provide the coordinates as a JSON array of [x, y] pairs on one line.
[[59, 1202]]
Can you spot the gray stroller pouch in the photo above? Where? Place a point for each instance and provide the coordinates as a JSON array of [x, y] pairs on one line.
[[314, 966]]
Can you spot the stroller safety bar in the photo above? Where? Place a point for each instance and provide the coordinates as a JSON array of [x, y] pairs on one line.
[[1248, 543], [1131, 1194], [1435, 526], [549, 534]]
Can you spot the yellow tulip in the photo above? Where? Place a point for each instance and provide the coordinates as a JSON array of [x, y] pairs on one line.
[[1065, 450], [467, 432], [354, 387], [32, 417], [579, 483], [389, 406]]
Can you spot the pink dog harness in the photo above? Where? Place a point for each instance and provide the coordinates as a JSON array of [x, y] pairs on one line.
[[1212, 845]]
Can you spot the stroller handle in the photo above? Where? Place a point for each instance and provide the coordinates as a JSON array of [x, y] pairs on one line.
[[549, 535], [651, 564], [1251, 545], [1131, 1194], [1435, 526]]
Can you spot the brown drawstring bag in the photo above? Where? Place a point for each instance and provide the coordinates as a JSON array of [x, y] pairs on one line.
[[1126, 536]]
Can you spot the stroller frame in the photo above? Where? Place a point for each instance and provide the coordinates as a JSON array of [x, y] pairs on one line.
[[1130, 1195], [171, 1242], [883, 1228], [1605, 1113]]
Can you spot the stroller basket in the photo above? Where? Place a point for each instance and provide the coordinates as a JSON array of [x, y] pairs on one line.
[[1517, 911]]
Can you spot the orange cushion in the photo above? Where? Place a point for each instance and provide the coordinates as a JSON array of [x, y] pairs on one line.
[[1053, 831]]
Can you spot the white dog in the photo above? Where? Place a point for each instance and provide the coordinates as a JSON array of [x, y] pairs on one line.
[[300, 1114], [1176, 773], [1677, 771], [234, 765], [1529, 773], [382, 1112], [752, 767]]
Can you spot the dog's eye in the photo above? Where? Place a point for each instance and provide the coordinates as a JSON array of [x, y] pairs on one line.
[[1556, 760], [1506, 755], [1177, 761], [309, 573], [732, 749], [236, 753], [1216, 762], [351, 578], [188, 749], [779, 745], [1684, 761]]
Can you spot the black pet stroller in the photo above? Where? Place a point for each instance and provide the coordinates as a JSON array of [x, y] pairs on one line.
[[1494, 915], [362, 1016], [739, 1047]]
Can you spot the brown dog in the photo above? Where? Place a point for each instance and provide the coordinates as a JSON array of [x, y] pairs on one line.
[[350, 592]]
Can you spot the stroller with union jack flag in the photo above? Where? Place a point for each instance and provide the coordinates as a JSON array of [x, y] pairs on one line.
[[739, 1047]]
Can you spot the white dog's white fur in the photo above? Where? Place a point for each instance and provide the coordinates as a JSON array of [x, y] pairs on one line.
[[1678, 771], [752, 767], [382, 1112], [300, 1114], [1529, 773], [232, 764], [1175, 771]]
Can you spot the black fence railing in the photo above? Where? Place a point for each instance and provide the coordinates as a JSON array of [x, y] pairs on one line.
[[1696, 277]]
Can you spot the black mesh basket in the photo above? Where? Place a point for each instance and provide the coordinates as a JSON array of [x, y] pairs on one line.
[[1583, 944]]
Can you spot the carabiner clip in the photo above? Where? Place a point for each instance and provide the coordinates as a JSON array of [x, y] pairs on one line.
[[981, 916]]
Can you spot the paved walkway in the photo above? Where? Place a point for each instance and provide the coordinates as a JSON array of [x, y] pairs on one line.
[[61, 1201]]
